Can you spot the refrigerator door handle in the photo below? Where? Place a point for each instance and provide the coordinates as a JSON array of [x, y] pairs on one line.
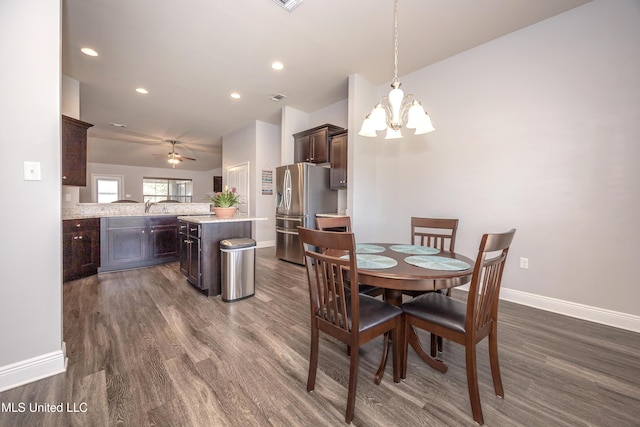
[[287, 218], [283, 231], [287, 189]]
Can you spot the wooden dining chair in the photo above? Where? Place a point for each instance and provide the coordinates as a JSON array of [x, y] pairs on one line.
[[350, 317], [439, 233], [343, 223], [468, 323]]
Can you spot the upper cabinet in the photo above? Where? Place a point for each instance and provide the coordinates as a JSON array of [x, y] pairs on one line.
[[74, 151], [338, 151], [312, 145]]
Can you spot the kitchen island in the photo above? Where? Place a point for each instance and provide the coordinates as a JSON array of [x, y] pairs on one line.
[[200, 237]]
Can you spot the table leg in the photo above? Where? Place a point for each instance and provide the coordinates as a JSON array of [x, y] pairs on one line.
[[383, 362], [414, 341], [394, 297]]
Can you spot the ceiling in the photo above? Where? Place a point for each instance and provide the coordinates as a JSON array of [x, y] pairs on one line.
[[192, 54]]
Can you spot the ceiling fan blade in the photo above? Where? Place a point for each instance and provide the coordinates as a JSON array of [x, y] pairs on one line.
[[184, 157]]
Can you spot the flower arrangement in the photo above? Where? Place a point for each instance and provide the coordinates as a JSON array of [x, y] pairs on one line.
[[226, 199]]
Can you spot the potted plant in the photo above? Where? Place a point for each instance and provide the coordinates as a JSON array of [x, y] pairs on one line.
[[225, 202]]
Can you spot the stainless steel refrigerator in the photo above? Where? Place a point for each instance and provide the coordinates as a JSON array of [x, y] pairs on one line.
[[302, 191]]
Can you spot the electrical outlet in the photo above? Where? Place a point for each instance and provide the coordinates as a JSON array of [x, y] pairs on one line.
[[524, 263], [32, 171]]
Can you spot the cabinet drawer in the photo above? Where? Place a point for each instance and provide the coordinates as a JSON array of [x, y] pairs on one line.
[[194, 230], [124, 222], [163, 220], [69, 225]]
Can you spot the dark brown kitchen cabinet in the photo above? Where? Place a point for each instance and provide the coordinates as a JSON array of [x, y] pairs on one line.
[[200, 259], [312, 145], [190, 252], [74, 151], [338, 152], [80, 248], [133, 242], [163, 237]]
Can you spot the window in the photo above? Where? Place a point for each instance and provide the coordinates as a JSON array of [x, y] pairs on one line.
[[161, 189], [106, 188]]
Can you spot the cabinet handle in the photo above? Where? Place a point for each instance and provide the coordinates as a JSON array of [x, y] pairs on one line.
[[79, 237], [142, 231], [313, 147], [193, 229], [64, 177], [152, 231], [78, 225]]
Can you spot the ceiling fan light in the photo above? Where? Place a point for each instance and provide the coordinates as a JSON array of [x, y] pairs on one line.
[[173, 160]]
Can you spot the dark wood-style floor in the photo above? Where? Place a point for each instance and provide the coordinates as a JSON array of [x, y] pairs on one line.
[[145, 349]]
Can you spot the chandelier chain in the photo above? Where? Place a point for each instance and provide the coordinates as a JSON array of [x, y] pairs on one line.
[[395, 34]]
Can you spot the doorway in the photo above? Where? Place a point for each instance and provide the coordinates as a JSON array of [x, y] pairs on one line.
[[238, 177]]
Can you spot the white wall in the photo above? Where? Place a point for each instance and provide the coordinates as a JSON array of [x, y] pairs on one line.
[[267, 159], [293, 121], [31, 279], [538, 130], [335, 114], [259, 144], [133, 175], [70, 107]]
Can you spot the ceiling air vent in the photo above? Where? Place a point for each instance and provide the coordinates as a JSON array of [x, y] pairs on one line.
[[289, 5], [277, 97]]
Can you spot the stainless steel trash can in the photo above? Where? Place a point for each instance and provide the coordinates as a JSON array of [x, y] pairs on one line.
[[238, 259]]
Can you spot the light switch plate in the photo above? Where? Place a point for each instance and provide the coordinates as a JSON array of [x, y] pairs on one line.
[[32, 171]]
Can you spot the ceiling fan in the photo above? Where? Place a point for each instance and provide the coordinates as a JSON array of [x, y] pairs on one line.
[[174, 158]]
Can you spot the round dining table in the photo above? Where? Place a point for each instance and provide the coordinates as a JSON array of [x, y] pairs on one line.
[[400, 267]]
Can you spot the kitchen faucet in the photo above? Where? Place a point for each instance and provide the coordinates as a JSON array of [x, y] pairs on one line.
[[147, 205]]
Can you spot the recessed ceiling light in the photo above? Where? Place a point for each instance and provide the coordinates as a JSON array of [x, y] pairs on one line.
[[118, 125], [277, 65], [89, 51], [278, 97], [142, 90], [235, 95]]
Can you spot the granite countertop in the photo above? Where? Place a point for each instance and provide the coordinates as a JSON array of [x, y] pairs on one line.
[[206, 219], [109, 215], [101, 210], [331, 215]]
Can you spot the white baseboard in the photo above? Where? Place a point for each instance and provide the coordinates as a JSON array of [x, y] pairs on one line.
[[266, 244], [33, 369], [580, 311]]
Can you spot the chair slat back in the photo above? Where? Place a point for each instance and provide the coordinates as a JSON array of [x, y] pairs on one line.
[[328, 277], [482, 303], [438, 233]]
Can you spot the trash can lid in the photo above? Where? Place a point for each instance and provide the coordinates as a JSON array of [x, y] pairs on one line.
[[241, 242]]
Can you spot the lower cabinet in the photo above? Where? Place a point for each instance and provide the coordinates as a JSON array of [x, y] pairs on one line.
[[200, 259], [133, 242], [80, 248], [190, 253]]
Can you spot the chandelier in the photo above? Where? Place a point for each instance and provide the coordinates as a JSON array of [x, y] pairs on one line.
[[402, 110]]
